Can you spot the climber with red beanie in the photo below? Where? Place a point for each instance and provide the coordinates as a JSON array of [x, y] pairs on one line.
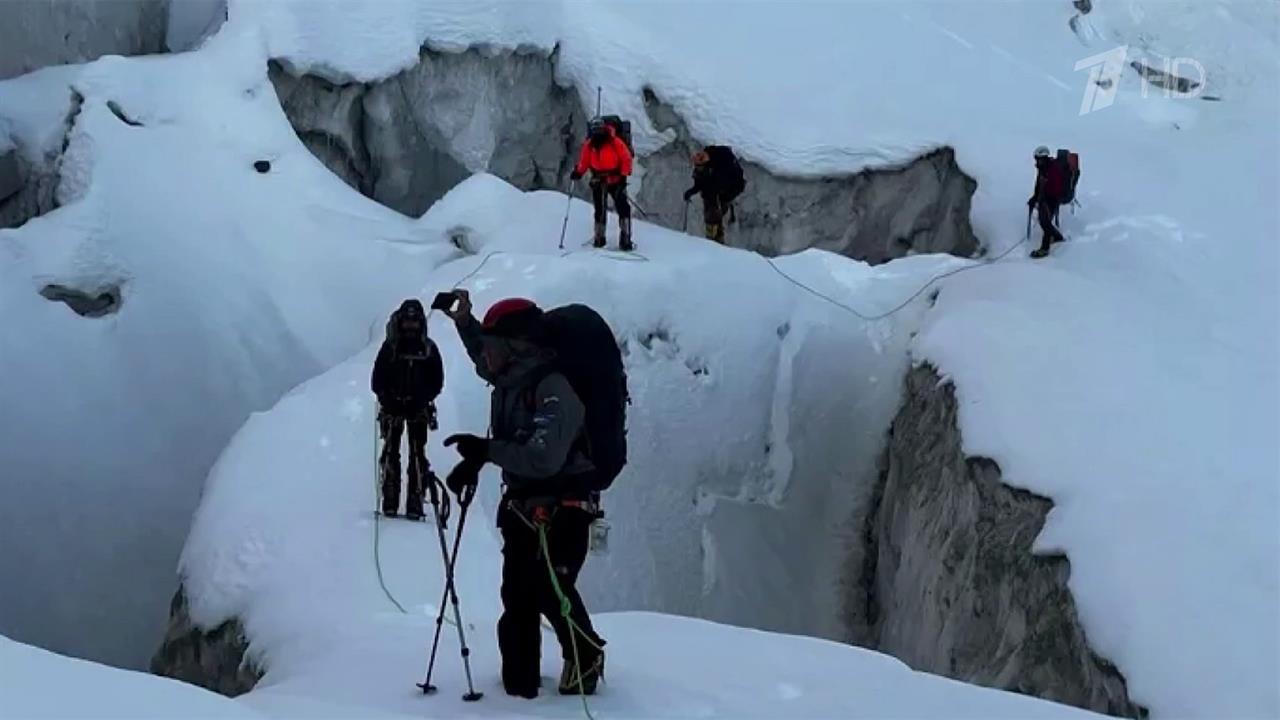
[[537, 422], [606, 156]]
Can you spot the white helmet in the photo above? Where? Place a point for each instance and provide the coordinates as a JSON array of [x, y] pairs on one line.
[[1042, 152]]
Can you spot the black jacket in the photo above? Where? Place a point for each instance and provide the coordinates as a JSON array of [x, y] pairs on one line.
[[407, 376], [704, 183]]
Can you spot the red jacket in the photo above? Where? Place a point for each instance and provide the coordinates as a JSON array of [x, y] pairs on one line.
[[611, 159]]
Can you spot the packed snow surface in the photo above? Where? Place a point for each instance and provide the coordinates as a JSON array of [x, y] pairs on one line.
[[39, 684], [1131, 377], [305, 581]]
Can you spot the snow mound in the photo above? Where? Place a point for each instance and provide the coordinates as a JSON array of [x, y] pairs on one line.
[[286, 539], [228, 287], [711, 481], [39, 684]]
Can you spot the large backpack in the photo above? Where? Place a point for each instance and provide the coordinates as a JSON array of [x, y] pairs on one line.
[[1064, 176], [726, 172], [621, 128], [589, 358]]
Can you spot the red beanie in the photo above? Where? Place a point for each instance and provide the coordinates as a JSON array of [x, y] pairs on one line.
[[513, 317]]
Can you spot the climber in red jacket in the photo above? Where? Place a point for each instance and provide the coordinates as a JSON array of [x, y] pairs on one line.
[[607, 157]]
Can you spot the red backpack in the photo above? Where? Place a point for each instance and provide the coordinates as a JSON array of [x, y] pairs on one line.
[[1062, 176]]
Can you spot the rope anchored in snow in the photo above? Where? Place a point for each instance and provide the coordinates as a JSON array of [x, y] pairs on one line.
[[872, 318]]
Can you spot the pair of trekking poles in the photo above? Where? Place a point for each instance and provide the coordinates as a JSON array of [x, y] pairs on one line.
[[564, 227], [450, 594], [440, 512]]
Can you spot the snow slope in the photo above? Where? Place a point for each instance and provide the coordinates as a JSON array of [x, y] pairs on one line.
[[235, 287], [1162, 314], [39, 684], [1133, 379], [305, 583], [1145, 358], [718, 495]]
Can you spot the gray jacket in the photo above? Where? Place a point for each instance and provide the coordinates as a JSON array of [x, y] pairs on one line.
[[536, 420]]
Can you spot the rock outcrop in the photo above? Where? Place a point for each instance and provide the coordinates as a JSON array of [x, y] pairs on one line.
[[407, 140], [874, 215], [11, 173], [38, 34], [948, 581], [215, 660], [29, 178]]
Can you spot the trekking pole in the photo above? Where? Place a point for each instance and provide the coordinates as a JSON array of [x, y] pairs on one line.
[[637, 205], [451, 592], [1028, 236], [599, 94], [684, 224], [568, 204]]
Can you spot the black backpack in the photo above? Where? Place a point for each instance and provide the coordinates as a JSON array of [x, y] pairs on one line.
[[589, 358], [726, 172], [621, 128]]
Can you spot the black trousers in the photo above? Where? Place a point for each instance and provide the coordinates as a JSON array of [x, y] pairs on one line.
[[527, 592], [392, 429], [713, 215], [1047, 213], [617, 191]]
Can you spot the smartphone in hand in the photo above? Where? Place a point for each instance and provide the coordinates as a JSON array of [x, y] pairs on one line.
[[444, 301]]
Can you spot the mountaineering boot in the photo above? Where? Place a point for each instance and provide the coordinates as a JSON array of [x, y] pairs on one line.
[[1042, 251], [593, 669], [528, 692], [624, 235], [597, 240], [715, 232]]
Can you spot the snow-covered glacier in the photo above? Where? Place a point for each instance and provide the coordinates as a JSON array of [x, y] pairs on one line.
[[1090, 461]]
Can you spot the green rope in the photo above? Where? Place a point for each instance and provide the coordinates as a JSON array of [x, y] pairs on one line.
[[565, 608], [377, 518]]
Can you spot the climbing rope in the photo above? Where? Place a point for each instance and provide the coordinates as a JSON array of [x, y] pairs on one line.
[[871, 318], [377, 519], [565, 607], [377, 468]]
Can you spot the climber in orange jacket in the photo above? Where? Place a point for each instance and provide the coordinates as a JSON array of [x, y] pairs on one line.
[[607, 157]]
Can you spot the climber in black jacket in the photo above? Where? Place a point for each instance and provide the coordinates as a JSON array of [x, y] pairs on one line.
[[407, 377]]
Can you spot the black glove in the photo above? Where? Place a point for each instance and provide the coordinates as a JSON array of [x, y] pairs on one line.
[[688, 195], [464, 477], [575, 176], [432, 423], [470, 447], [1031, 203]]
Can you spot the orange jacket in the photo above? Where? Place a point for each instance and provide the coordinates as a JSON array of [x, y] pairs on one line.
[[611, 159]]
